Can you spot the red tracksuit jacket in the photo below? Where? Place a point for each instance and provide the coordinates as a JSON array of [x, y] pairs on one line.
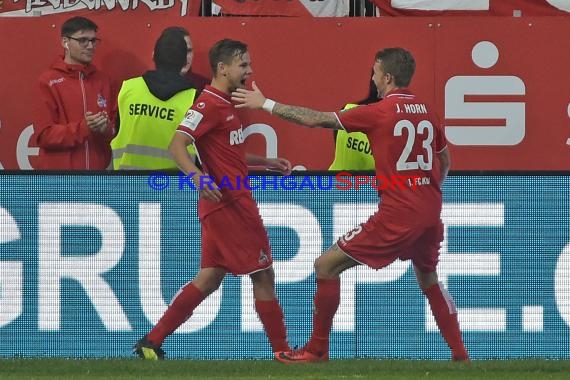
[[67, 92]]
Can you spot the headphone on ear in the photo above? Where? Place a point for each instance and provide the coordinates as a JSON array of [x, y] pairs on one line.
[[66, 45]]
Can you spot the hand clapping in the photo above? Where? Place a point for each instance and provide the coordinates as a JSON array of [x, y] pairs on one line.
[[97, 122]]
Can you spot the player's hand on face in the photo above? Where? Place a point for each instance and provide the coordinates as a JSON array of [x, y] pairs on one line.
[[245, 98], [280, 165]]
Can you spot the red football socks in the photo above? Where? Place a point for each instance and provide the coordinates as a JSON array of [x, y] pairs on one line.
[[271, 316], [445, 313], [326, 301], [180, 309]]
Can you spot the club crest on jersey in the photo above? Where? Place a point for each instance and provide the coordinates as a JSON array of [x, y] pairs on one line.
[[101, 102], [236, 137], [192, 119], [263, 259]]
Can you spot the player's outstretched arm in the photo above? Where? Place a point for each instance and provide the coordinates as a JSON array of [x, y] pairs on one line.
[[254, 99]]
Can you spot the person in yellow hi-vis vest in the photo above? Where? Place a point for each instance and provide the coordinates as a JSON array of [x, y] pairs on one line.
[[352, 150], [151, 107]]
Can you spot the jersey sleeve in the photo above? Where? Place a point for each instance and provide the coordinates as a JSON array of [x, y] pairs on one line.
[[358, 119], [198, 121]]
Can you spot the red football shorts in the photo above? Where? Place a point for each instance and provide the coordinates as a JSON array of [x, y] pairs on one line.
[[235, 239], [378, 243]]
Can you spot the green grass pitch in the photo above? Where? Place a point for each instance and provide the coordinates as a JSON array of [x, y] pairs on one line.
[[117, 369]]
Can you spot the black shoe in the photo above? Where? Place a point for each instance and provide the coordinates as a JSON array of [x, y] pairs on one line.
[[148, 350]]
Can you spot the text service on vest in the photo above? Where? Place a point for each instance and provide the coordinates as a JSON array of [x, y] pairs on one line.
[[358, 145], [152, 111]]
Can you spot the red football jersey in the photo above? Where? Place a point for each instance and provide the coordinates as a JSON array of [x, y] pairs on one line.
[[405, 134], [218, 137]]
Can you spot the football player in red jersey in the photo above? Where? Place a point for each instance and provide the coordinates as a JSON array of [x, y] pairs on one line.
[[406, 139], [234, 239]]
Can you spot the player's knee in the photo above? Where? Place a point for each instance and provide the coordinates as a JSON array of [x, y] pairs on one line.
[[325, 267], [318, 266], [426, 279], [208, 281], [264, 278], [207, 288]]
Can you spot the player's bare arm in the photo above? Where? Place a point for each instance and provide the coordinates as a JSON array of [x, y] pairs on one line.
[[444, 159], [306, 116], [179, 150], [277, 164], [254, 99]]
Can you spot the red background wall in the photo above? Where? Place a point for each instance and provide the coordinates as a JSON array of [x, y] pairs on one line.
[[323, 64]]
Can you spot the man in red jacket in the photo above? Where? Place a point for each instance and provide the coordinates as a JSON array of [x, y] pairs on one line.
[[75, 120]]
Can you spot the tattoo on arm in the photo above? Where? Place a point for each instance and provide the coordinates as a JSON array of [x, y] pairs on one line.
[[307, 116]]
